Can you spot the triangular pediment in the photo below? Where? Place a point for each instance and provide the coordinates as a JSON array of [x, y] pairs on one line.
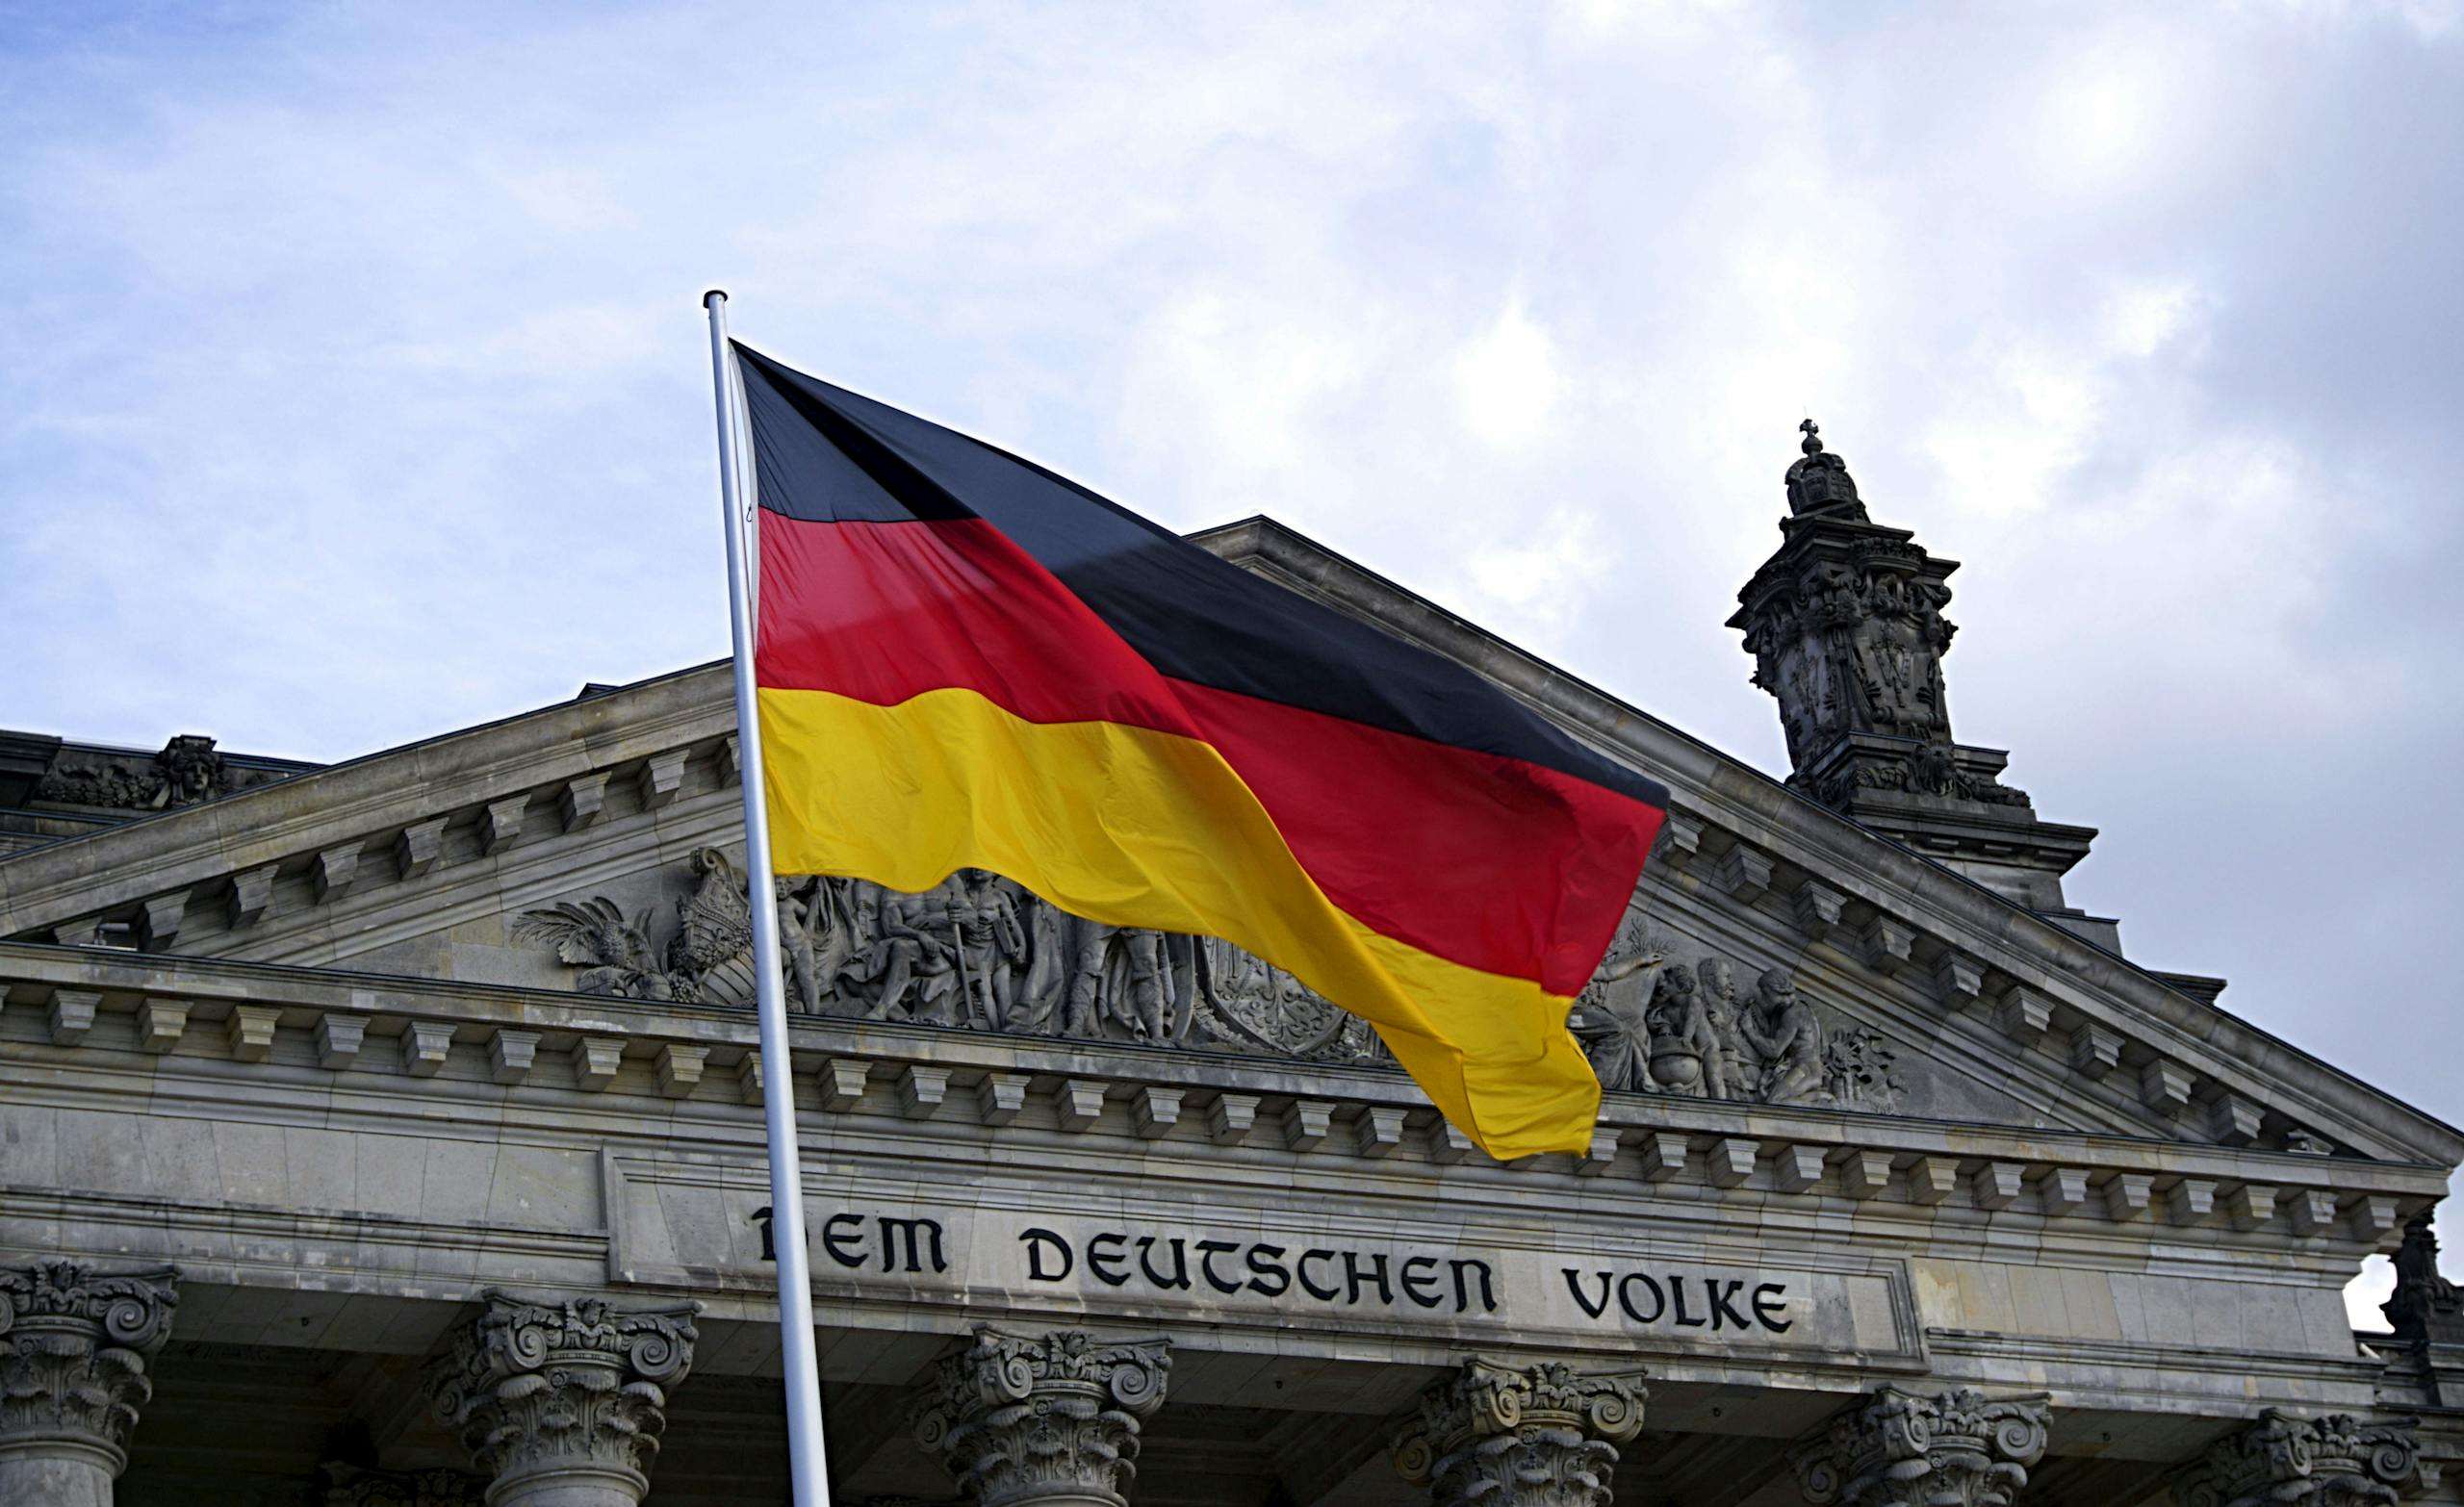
[[1778, 955]]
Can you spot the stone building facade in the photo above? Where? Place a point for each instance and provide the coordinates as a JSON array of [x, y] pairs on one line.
[[389, 1134]]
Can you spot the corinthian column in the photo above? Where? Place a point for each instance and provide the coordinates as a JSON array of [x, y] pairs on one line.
[[1543, 1436], [2286, 1460], [1900, 1448], [1051, 1420], [73, 1347], [562, 1403]]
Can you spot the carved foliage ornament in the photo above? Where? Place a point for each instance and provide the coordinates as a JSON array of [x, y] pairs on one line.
[[537, 1386], [1023, 1418], [73, 1347], [1541, 1436], [2284, 1459], [1901, 1449]]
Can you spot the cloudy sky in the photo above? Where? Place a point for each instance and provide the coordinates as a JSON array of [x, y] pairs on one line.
[[353, 385]]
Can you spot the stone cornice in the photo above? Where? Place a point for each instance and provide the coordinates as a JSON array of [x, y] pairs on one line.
[[371, 800], [384, 1037]]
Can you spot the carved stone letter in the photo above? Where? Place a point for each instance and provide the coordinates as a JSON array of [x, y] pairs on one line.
[[562, 1403], [73, 1347], [1545, 1436], [1901, 1449], [1048, 1419], [2286, 1460]]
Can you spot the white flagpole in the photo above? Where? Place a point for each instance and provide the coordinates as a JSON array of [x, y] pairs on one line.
[[807, 1463]]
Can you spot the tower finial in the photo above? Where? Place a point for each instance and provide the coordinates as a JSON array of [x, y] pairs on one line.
[[1818, 482]]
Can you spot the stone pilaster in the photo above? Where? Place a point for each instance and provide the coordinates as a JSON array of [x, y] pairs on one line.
[[1502, 1435], [73, 1347], [562, 1404], [1900, 1448], [2287, 1460], [1051, 1418]]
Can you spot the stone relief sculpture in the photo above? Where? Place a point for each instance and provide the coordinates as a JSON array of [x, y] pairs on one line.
[[708, 958], [978, 953], [1856, 645], [188, 770], [1652, 1024]]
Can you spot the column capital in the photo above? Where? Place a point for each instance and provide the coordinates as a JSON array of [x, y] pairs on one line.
[[1902, 1448], [2291, 1460], [566, 1397], [1044, 1419], [1537, 1435], [73, 1347]]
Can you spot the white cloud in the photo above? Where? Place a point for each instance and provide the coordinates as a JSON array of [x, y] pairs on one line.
[[2107, 110], [1506, 379], [2144, 319], [2018, 427]]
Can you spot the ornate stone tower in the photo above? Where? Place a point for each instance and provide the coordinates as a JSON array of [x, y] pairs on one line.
[[1845, 625]]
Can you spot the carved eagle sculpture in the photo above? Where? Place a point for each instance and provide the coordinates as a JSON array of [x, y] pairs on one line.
[[596, 935]]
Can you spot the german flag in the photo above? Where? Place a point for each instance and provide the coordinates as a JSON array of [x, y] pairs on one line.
[[965, 660]]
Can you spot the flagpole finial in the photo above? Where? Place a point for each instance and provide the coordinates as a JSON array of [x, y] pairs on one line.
[[719, 293]]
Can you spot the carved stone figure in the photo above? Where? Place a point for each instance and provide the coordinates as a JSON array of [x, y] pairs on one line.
[[1619, 1001], [1787, 1034], [1054, 1418], [1134, 1005], [2287, 1460], [1685, 1051], [917, 947], [796, 900], [1695, 1036], [1724, 1073], [74, 1344], [1901, 1449], [1500, 1436], [564, 1403]]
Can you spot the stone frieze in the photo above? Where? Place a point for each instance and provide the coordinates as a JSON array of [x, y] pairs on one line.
[[978, 953]]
